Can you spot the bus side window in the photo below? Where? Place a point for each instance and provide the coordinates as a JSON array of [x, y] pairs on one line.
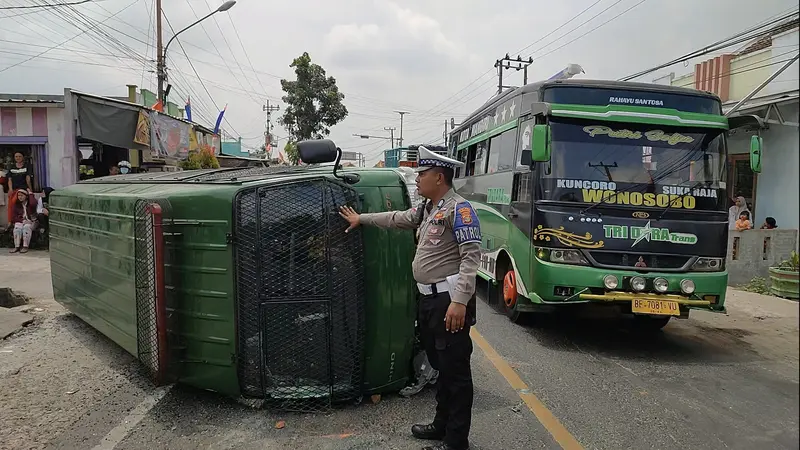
[[521, 190]]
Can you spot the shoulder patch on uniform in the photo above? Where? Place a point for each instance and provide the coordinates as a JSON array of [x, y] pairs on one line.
[[466, 226]]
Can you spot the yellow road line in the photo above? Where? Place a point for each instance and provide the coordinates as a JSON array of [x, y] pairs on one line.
[[553, 426]]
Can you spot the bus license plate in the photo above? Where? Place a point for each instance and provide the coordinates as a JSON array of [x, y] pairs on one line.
[[658, 307]]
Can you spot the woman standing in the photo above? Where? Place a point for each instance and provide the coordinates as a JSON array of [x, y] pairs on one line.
[[20, 176]]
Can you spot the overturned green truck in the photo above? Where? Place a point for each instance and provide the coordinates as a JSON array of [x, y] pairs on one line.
[[243, 281]]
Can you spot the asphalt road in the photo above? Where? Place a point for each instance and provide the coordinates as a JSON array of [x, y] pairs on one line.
[[710, 382]]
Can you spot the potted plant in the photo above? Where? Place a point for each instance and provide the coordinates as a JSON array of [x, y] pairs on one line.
[[784, 276]]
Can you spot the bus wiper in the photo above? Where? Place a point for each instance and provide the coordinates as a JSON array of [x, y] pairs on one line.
[[680, 197]]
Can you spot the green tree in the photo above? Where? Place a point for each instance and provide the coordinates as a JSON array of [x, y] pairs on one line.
[[313, 101], [291, 152]]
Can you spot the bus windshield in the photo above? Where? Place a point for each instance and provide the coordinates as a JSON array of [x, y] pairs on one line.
[[635, 164]]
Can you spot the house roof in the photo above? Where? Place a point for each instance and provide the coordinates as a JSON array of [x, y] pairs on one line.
[[31, 98], [766, 41], [125, 102]]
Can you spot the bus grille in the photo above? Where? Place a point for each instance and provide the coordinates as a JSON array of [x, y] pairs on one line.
[[629, 260]]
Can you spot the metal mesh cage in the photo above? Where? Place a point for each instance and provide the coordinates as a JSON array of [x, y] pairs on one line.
[[300, 295], [151, 255]]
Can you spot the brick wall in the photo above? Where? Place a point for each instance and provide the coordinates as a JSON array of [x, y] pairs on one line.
[[752, 252]]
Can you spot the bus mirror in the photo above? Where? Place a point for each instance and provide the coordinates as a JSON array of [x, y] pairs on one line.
[[525, 158], [756, 146], [540, 143]]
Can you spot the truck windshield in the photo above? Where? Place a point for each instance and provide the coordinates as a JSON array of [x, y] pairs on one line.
[[636, 165]]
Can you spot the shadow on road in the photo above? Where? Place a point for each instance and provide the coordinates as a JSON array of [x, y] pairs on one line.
[[615, 335], [680, 341]]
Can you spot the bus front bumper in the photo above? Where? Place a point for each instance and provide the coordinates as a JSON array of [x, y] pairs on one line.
[[585, 285]]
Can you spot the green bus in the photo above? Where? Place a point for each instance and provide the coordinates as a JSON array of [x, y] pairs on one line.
[[600, 192]]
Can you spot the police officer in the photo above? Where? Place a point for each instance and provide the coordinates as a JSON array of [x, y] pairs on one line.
[[445, 266]]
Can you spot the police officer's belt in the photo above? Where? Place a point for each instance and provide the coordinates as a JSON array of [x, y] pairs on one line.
[[433, 289]]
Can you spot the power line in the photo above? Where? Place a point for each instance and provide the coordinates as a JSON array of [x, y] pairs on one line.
[[47, 5], [62, 43], [727, 42]]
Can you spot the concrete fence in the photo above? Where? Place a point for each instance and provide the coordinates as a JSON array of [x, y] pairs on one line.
[[751, 253]]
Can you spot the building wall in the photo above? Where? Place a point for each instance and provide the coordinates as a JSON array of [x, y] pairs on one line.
[[39, 121], [778, 185], [748, 72], [751, 253], [784, 46]]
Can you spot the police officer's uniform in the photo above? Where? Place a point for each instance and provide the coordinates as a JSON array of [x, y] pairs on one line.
[[445, 266]]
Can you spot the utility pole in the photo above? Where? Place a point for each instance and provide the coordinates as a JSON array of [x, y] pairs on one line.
[[511, 63], [444, 133], [161, 59], [269, 109], [402, 113], [160, 70], [391, 132]]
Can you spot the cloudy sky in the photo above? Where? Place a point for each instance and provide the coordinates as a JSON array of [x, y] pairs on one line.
[[433, 59]]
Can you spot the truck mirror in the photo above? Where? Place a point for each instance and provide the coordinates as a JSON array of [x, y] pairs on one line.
[[317, 151], [540, 143], [756, 146]]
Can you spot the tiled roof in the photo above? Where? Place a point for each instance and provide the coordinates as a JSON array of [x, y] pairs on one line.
[[766, 41], [31, 98]]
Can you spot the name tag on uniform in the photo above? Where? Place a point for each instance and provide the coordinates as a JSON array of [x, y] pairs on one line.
[[435, 230]]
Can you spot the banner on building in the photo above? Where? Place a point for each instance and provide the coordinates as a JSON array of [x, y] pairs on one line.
[[142, 135], [169, 138]]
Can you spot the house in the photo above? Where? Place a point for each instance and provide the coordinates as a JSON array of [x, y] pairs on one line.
[[34, 125], [771, 110]]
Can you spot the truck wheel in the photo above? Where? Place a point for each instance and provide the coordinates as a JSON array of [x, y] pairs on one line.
[[508, 296], [649, 323]]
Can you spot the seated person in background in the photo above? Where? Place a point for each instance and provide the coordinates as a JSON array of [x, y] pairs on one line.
[[24, 220], [769, 223], [743, 222], [42, 213], [114, 170]]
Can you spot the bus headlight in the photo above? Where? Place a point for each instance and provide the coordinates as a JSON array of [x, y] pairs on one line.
[[568, 257], [687, 286], [661, 285], [637, 284], [708, 265], [610, 282]]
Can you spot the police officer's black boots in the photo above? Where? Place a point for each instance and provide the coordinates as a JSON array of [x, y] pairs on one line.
[[441, 446], [427, 432]]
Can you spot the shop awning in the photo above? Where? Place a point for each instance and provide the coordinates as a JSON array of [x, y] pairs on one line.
[[763, 111], [107, 121]]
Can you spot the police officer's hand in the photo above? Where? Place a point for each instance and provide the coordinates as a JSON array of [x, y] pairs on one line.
[[455, 317], [350, 216]]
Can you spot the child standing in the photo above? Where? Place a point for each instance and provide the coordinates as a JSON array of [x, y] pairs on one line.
[[743, 222]]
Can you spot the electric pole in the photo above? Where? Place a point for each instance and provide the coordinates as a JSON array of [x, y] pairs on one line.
[[391, 132], [511, 63], [160, 70], [400, 141], [269, 109], [444, 134]]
